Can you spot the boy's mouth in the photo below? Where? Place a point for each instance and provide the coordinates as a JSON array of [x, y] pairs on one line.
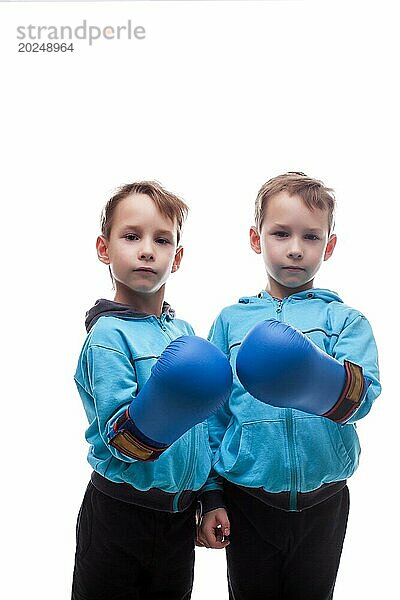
[[144, 270], [293, 268]]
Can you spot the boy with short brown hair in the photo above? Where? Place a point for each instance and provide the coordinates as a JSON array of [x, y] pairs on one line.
[[136, 525]]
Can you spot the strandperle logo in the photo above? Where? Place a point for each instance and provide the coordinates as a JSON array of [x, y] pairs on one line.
[[84, 31]]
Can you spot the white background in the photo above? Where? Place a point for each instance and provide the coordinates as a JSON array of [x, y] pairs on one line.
[[218, 98]]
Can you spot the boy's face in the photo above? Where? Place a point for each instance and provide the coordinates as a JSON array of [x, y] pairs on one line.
[[141, 250], [293, 241]]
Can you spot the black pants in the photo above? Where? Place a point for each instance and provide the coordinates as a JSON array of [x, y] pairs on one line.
[[278, 555], [125, 552]]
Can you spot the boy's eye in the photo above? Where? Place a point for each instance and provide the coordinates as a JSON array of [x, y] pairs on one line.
[[311, 236], [280, 233], [131, 236], [162, 241]]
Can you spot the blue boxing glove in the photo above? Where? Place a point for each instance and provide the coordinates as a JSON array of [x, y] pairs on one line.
[[191, 380], [279, 365]]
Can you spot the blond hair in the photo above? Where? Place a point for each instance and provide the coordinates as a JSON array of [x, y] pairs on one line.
[[313, 193], [168, 204]]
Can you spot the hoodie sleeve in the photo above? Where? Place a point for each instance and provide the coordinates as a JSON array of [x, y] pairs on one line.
[[113, 386], [212, 492], [356, 344]]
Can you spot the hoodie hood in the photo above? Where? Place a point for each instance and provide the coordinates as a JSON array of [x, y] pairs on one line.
[[103, 307]]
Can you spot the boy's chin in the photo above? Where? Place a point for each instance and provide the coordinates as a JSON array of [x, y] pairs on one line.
[[292, 285], [147, 290]]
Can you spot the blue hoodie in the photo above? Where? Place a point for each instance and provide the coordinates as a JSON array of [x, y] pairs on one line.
[[288, 458], [114, 364]]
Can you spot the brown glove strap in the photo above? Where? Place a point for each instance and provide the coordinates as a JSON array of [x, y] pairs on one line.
[[352, 394], [127, 442]]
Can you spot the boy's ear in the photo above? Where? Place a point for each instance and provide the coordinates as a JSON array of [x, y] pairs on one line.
[[255, 240], [177, 259], [330, 246], [102, 250]]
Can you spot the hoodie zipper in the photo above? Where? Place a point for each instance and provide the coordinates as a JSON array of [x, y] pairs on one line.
[[161, 322], [190, 460], [290, 435], [188, 473]]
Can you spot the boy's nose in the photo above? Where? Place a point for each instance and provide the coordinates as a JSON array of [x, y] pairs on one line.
[[295, 252], [143, 255], [146, 252]]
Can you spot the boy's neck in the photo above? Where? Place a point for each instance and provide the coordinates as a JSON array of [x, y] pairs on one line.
[[150, 304], [280, 292]]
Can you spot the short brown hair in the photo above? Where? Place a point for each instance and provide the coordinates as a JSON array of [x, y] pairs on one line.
[[312, 191], [168, 204]]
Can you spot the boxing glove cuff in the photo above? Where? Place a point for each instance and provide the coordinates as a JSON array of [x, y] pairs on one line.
[[352, 395], [129, 440]]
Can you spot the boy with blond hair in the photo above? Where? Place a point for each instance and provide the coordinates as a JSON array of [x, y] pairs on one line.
[[284, 470]]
